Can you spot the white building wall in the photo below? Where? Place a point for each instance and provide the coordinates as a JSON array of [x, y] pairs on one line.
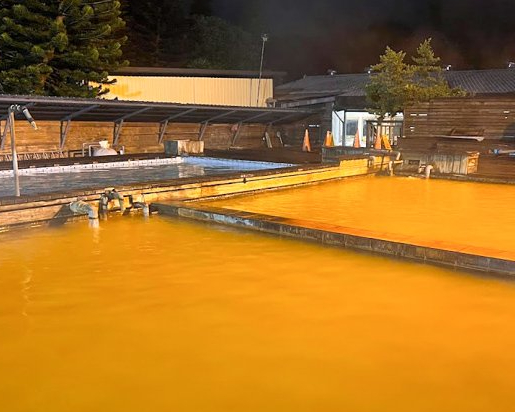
[[346, 123]]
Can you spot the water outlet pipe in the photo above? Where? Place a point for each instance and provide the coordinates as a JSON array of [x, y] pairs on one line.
[[80, 207], [427, 169], [389, 168], [143, 206], [109, 195]]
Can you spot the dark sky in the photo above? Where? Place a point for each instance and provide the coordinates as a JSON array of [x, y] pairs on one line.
[[312, 36]]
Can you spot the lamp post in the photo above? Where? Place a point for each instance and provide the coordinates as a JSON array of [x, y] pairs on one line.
[[12, 111], [264, 37]]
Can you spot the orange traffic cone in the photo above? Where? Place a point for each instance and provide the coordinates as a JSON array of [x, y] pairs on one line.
[[329, 141], [306, 146], [357, 143]]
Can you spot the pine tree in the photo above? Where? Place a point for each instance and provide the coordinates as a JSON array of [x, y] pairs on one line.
[[394, 84], [386, 90], [156, 30], [216, 44], [94, 45], [30, 34], [428, 81]]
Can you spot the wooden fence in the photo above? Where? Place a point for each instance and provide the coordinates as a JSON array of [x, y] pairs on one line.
[[472, 123]]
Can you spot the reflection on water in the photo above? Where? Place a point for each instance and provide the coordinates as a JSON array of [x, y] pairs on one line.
[[162, 315], [432, 210]]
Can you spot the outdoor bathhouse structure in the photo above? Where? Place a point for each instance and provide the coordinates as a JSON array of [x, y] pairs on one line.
[[149, 106], [342, 99], [65, 125]]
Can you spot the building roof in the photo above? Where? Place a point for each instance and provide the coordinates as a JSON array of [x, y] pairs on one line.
[[310, 87], [184, 72], [494, 81], [101, 110], [351, 87]]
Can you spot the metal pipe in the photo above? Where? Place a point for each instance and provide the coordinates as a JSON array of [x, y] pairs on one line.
[[264, 37], [83, 208], [119, 197], [109, 195], [427, 171], [143, 206], [389, 168], [13, 152], [16, 108]]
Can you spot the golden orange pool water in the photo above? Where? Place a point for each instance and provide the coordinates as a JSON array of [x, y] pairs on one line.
[[405, 209], [167, 315]]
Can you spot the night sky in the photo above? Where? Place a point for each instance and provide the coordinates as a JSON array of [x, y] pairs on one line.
[[310, 37]]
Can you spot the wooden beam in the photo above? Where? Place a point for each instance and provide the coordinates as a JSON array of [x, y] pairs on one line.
[[65, 128], [73, 115], [118, 124], [283, 118], [205, 124], [255, 117], [202, 131], [178, 115], [117, 131], [236, 134], [68, 120], [129, 115], [162, 131], [220, 116], [164, 124]]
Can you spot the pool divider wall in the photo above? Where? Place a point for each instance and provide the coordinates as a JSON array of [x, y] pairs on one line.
[[333, 235], [30, 210]]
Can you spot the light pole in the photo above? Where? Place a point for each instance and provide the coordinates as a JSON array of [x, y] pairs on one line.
[[264, 37], [14, 109]]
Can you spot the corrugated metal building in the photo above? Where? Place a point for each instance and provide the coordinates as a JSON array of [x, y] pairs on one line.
[[194, 86]]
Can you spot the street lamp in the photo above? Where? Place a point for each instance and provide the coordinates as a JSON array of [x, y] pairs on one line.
[[12, 111], [264, 37]]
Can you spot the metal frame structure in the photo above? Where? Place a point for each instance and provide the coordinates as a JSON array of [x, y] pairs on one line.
[[117, 112]]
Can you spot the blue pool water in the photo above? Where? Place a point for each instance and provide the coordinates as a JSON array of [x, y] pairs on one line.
[[98, 176]]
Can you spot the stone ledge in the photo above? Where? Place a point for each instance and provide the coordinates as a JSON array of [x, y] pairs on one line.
[[342, 238]]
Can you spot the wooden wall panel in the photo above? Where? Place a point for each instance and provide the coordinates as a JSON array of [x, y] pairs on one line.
[[426, 123], [136, 137]]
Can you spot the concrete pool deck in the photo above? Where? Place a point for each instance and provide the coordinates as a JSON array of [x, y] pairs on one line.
[[449, 254], [53, 208], [164, 196]]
